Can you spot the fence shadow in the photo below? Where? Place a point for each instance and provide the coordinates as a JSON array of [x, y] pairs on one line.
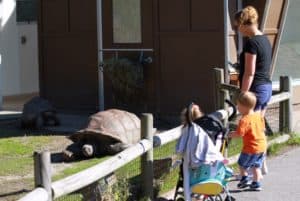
[[14, 193]]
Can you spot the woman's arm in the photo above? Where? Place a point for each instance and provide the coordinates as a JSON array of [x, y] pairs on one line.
[[250, 62]]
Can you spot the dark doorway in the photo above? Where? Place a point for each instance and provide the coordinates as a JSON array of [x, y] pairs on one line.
[[68, 53], [191, 44]]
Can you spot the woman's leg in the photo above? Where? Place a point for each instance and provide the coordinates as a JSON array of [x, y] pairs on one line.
[[263, 94]]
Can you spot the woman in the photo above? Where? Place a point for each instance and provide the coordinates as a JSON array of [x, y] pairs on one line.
[[255, 59]]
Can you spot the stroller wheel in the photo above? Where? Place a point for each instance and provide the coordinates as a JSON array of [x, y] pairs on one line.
[[229, 198], [218, 198], [209, 198]]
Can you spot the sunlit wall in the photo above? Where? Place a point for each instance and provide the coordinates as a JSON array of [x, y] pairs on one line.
[[288, 61], [19, 61]]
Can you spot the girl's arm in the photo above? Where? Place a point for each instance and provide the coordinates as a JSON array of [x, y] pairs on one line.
[[250, 62]]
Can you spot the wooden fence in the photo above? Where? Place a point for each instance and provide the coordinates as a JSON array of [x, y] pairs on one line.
[[283, 97], [47, 191]]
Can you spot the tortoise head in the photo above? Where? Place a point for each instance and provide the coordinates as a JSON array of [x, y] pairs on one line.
[[88, 150]]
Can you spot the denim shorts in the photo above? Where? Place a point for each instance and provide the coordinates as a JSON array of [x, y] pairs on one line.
[[263, 94], [251, 160]]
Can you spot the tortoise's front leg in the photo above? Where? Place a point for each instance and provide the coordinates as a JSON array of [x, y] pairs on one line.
[[72, 152]]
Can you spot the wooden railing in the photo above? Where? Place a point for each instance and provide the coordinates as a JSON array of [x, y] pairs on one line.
[[88, 176], [283, 97], [47, 191]]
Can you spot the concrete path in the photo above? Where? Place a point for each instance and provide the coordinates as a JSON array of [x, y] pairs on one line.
[[282, 182]]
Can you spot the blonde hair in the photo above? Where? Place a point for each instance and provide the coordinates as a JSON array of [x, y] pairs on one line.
[[247, 99], [189, 114], [247, 16]]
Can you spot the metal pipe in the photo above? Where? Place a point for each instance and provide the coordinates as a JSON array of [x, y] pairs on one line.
[[100, 55], [226, 38], [1, 18], [240, 37], [1, 95]]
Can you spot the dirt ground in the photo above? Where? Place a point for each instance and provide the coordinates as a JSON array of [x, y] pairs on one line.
[[13, 187]]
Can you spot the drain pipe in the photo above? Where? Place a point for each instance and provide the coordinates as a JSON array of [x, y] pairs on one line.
[[1, 96], [100, 56], [1, 17], [226, 38]]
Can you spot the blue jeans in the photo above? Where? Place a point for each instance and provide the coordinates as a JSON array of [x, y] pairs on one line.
[[251, 160], [263, 94]]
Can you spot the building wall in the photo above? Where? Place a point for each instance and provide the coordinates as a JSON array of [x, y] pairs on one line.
[[288, 60], [19, 63], [28, 55]]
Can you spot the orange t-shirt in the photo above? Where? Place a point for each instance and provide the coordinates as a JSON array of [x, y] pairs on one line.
[[251, 127]]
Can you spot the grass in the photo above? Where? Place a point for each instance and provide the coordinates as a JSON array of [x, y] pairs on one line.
[[168, 181], [16, 159], [77, 167], [275, 149], [71, 197], [16, 153], [20, 146], [129, 174], [235, 146]]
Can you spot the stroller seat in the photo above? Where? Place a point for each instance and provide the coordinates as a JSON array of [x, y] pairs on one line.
[[209, 179]]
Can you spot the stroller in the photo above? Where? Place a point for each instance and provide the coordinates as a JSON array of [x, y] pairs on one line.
[[208, 181]]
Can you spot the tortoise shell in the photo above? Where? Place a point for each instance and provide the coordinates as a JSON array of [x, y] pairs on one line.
[[119, 125]]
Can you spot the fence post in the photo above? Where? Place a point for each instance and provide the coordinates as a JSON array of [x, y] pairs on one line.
[[285, 114], [221, 94], [147, 158], [218, 78], [42, 172]]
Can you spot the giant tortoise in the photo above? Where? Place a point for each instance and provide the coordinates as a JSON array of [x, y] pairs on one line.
[[38, 112], [107, 132]]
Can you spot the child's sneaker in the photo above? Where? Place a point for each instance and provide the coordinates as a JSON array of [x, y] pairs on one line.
[[244, 182], [255, 186]]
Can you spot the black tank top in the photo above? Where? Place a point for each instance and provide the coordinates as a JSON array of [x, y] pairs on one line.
[[261, 47]]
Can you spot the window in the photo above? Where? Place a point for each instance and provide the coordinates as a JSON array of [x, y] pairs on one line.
[[26, 10], [288, 59], [127, 21]]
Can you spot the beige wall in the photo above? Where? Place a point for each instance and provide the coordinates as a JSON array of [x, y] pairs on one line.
[[296, 94], [28, 57]]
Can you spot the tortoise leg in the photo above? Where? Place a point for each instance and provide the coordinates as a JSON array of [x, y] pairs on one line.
[[28, 121], [72, 152], [117, 147], [39, 122], [50, 118]]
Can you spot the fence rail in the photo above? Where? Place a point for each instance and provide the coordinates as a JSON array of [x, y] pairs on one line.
[[38, 194], [283, 97], [88, 176]]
